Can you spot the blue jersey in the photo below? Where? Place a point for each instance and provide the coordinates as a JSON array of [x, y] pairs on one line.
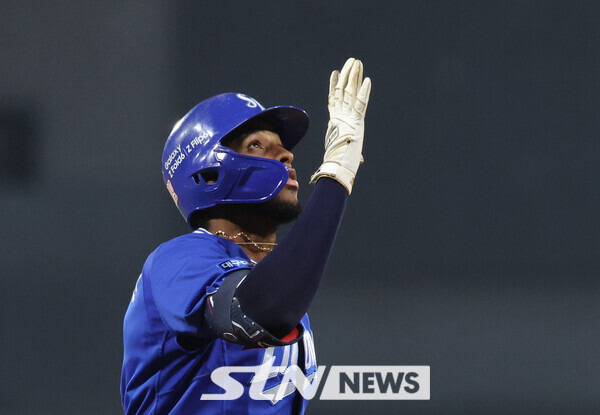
[[169, 353]]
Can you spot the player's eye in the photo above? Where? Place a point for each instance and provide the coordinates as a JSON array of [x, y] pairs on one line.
[[254, 145]]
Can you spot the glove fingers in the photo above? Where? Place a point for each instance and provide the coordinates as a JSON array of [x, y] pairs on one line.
[[345, 71], [354, 81], [362, 99], [360, 74], [342, 81], [333, 80]]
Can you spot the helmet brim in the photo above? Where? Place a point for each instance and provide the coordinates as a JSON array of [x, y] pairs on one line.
[[291, 123]]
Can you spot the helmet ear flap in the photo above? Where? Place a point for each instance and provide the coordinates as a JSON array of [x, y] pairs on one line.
[[207, 177]]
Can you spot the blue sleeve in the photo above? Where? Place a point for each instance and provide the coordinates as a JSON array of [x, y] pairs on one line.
[[280, 289], [181, 276]]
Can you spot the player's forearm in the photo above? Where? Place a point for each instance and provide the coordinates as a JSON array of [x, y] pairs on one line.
[[279, 290]]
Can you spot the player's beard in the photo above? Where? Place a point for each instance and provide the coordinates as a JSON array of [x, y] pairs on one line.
[[249, 215], [275, 210]]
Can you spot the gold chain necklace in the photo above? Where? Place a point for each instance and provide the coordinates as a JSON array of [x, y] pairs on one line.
[[248, 240]]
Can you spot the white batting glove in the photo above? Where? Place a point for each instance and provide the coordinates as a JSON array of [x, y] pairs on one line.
[[348, 99]]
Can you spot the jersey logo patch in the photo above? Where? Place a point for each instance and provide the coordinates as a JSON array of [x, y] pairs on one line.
[[235, 263]]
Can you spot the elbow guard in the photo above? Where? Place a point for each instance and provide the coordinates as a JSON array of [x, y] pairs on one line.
[[226, 319]]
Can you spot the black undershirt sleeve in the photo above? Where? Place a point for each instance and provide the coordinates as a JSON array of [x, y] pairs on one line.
[[280, 288]]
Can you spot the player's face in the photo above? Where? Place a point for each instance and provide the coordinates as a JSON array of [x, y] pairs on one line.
[[267, 144]]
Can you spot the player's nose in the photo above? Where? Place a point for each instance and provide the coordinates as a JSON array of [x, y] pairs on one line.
[[286, 156]]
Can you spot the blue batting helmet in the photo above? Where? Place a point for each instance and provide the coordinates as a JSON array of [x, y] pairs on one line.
[[201, 172]]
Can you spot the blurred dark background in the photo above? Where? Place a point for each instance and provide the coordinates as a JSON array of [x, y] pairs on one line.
[[471, 239]]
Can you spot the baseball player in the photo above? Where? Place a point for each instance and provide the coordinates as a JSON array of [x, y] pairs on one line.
[[227, 294]]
